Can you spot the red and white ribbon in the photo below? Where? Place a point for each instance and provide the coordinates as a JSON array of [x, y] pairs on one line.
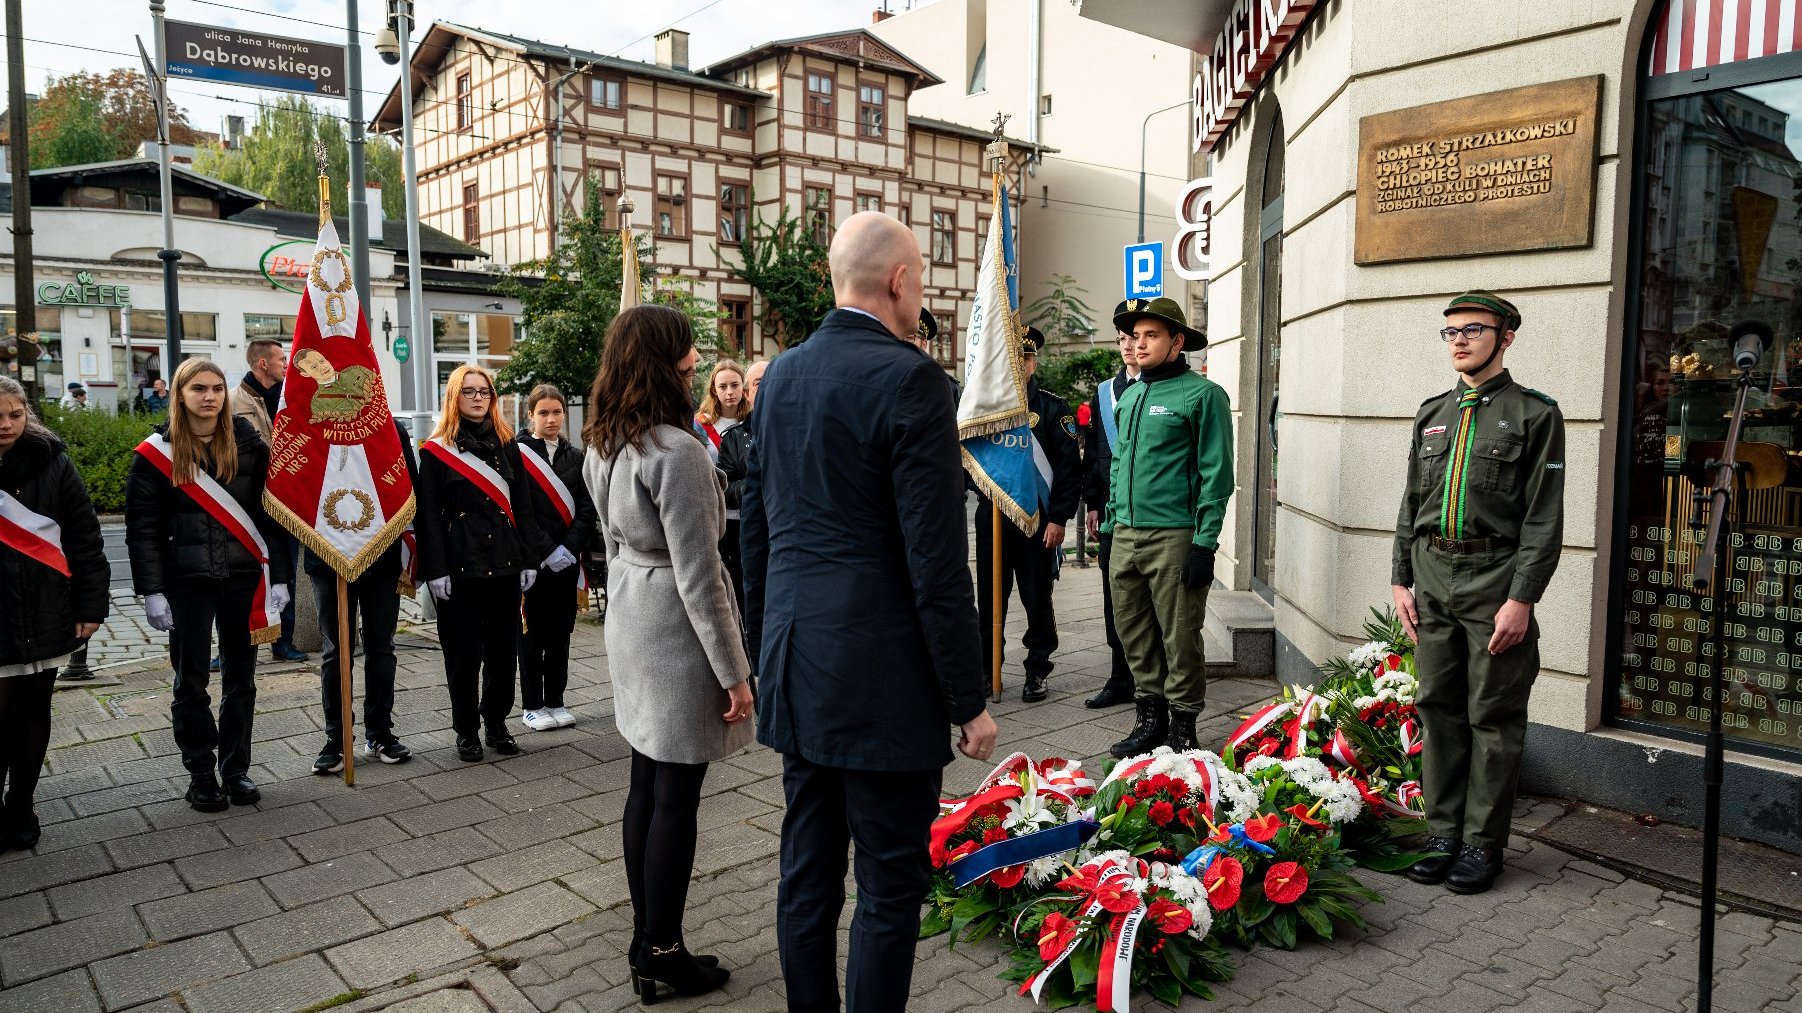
[[1114, 982], [1407, 801], [477, 472], [1339, 750], [1410, 737], [556, 491], [1064, 778], [204, 489], [1260, 719], [33, 534], [1309, 710]]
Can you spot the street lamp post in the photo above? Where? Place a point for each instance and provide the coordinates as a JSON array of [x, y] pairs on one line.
[[1143, 126], [400, 12], [359, 192]]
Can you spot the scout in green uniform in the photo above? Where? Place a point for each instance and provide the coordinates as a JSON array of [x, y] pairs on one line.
[[1478, 536], [1168, 486]]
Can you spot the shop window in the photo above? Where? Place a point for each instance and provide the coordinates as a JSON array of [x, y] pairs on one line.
[[735, 212], [671, 214], [870, 106], [486, 339], [819, 101], [258, 326], [465, 102], [148, 325], [944, 237], [735, 322]]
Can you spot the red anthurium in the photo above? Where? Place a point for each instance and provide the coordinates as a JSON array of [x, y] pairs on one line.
[[1222, 834], [1186, 816], [1082, 882], [1263, 828], [940, 857], [1285, 883], [1269, 747], [1392, 663], [1222, 881], [1300, 812], [1169, 916], [1008, 877], [1162, 813], [1055, 934], [1117, 895], [963, 849]]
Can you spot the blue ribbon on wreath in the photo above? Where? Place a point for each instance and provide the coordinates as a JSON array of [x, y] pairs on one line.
[[1198, 860], [1020, 850]]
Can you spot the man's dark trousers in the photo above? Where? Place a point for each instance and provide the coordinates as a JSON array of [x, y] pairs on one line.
[[889, 815], [1023, 558], [1120, 676], [374, 599]]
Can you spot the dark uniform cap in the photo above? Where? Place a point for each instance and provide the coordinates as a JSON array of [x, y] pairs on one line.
[[928, 329], [1032, 341], [1487, 302], [1166, 309]]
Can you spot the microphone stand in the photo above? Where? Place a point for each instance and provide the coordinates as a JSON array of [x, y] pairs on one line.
[[1711, 565]]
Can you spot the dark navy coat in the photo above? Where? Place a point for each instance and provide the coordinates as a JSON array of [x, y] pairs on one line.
[[858, 601]]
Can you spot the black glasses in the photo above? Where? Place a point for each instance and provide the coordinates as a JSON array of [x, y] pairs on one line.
[[1470, 331], [472, 393]]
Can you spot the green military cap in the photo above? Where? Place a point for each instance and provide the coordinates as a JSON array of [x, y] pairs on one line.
[[1487, 302], [929, 327], [1032, 341], [1166, 309]]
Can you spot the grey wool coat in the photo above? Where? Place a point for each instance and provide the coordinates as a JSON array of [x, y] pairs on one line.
[[673, 643]]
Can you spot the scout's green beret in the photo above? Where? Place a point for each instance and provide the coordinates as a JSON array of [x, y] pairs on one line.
[[1032, 341], [1487, 302], [1166, 309], [928, 329]]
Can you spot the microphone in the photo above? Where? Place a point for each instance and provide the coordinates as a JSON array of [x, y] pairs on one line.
[[1750, 338]]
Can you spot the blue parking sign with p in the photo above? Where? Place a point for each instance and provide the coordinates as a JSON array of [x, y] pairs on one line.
[[1145, 271]]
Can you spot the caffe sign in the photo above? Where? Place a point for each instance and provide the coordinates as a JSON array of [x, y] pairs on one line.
[[83, 291]]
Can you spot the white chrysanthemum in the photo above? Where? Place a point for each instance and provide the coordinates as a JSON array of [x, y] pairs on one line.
[[1308, 772], [1369, 655], [1345, 807], [1240, 797], [1042, 872]]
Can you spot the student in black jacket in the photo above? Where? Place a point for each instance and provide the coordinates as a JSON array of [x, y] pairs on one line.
[[1098, 453], [45, 613], [195, 574], [484, 554], [550, 614]]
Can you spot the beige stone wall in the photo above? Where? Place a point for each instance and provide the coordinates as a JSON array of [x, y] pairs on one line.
[[1359, 351]]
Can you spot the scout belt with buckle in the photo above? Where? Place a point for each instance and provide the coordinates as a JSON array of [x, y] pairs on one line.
[[1468, 546]]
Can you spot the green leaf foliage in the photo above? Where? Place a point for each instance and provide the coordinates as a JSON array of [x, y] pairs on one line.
[[276, 159], [101, 445], [1074, 377], [1061, 313], [787, 265]]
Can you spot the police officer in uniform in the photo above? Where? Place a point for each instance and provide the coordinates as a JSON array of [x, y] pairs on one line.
[[1025, 558], [1099, 437], [1478, 536]]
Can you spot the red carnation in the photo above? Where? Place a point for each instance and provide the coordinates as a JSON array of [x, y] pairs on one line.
[[1008, 877], [1144, 789], [1169, 916], [1285, 883], [1263, 828], [1300, 812], [940, 857], [1162, 813], [994, 835], [1117, 895], [1222, 881], [1055, 934]]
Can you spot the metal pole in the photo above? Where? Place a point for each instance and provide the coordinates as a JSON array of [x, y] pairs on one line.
[[403, 14], [359, 201], [169, 255], [1143, 126], [24, 275]]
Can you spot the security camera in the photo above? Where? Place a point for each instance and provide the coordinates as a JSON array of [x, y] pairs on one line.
[[387, 45]]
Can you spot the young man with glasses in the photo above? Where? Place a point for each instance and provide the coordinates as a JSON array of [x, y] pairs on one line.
[[1478, 536]]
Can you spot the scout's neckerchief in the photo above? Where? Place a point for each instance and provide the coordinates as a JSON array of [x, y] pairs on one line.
[[1457, 469], [556, 491], [477, 472], [205, 490], [33, 534]]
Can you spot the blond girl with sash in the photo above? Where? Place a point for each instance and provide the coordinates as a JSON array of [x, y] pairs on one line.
[[483, 555], [199, 543], [53, 595]]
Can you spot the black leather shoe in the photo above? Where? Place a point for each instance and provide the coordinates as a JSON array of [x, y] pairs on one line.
[[1475, 871], [242, 790], [1111, 695], [468, 749], [1431, 870], [1035, 689], [503, 744], [204, 794]]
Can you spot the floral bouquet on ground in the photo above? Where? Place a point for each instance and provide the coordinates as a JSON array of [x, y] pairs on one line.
[[1296, 723], [1117, 923], [1158, 804], [1004, 844]]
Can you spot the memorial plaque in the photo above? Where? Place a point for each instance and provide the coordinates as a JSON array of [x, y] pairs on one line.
[[1495, 173]]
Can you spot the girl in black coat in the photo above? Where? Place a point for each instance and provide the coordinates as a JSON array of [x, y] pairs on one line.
[[484, 554], [44, 614], [195, 574], [550, 613]]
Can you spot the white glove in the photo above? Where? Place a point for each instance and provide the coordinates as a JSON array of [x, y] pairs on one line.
[[526, 579], [156, 609], [440, 588], [560, 560], [279, 597]]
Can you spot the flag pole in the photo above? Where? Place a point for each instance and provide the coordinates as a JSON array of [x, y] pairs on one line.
[[346, 732], [995, 595]]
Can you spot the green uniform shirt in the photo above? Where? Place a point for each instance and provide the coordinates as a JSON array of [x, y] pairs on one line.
[[1173, 458], [1496, 473]]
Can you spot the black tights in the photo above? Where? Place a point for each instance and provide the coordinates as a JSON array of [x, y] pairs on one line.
[[660, 844], [24, 735]]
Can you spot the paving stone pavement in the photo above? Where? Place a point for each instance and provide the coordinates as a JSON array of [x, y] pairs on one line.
[[442, 887]]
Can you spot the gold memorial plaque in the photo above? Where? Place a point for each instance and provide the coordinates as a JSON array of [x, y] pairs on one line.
[[1501, 172]]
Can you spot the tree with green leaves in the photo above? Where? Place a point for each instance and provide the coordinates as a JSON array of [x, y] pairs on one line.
[[89, 117], [276, 159], [787, 265], [1060, 313], [1075, 376]]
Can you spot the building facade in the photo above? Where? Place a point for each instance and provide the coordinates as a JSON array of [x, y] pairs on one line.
[[1352, 155], [508, 129]]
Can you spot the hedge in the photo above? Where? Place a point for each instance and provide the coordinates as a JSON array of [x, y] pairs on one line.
[[101, 445]]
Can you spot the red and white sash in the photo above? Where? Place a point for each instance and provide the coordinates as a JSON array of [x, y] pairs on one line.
[[558, 493], [477, 471], [33, 534], [204, 489]]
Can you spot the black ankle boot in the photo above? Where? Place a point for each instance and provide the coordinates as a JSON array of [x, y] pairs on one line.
[[1149, 733], [204, 794], [677, 969], [637, 946], [1182, 730], [1035, 690]]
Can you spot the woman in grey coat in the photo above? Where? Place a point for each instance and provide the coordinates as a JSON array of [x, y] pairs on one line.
[[681, 695]]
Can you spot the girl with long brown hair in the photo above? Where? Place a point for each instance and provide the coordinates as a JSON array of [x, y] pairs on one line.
[[567, 516], [199, 544], [681, 696], [483, 555], [724, 404]]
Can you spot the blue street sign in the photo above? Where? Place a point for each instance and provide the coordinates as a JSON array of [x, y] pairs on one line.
[[1145, 271]]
